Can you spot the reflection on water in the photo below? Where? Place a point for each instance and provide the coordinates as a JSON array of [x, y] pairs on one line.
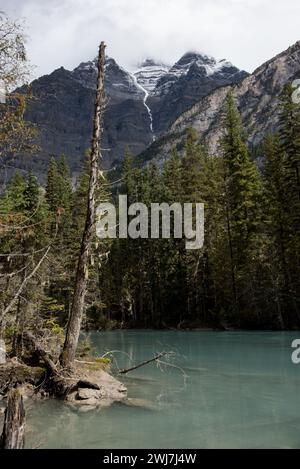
[[231, 390]]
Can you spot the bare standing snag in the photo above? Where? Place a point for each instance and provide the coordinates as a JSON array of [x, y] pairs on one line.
[[74, 324]]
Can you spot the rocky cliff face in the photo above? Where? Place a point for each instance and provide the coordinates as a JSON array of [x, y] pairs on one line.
[[190, 79], [140, 107], [257, 99], [62, 107]]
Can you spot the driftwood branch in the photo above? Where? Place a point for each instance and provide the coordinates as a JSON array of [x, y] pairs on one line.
[[13, 436], [146, 362]]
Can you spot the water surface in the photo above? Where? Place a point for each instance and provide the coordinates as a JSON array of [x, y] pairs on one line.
[[230, 390]]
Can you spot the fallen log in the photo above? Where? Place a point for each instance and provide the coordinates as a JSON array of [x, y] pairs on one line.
[[41, 353], [157, 357], [13, 435], [56, 383], [59, 382]]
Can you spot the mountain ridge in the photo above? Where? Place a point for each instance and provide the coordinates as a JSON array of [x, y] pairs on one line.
[[257, 100], [140, 107], [151, 103]]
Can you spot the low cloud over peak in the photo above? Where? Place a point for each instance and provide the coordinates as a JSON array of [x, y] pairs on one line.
[[67, 32]]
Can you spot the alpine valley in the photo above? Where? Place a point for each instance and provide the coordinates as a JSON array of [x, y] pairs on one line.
[[149, 109]]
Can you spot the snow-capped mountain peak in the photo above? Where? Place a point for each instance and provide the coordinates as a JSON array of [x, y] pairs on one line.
[[207, 62], [149, 73]]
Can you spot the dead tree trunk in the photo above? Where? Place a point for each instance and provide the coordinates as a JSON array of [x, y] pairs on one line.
[[73, 328], [13, 436]]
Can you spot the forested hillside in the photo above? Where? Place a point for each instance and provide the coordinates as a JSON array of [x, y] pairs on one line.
[[246, 275]]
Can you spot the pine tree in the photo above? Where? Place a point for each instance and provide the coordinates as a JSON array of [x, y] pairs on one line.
[[241, 176], [290, 138], [128, 185], [66, 184], [31, 194], [53, 186], [289, 134], [193, 164], [276, 222], [13, 199], [172, 179], [58, 186], [242, 196]]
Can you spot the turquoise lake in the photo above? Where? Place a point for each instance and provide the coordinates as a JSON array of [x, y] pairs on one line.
[[226, 390]]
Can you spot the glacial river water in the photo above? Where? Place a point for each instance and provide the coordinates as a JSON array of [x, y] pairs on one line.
[[230, 390]]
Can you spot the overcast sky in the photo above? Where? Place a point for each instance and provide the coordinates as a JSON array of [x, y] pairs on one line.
[[67, 32]]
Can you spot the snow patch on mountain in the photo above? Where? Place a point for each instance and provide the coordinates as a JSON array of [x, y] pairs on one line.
[[206, 63], [146, 95], [149, 73], [209, 63]]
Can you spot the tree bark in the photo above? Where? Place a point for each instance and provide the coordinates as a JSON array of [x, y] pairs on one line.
[[13, 436], [74, 324]]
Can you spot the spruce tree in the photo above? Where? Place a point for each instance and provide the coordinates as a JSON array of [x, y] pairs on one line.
[[31, 194], [275, 224], [242, 186], [289, 132], [13, 199], [65, 183], [53, 186]]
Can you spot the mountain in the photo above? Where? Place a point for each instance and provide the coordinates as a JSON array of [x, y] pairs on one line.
[[190, 79], [62, 107], [149, 73], [257, 99], [141, 106]]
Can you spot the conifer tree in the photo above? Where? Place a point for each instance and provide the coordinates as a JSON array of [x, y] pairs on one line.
[[13, 199], [290, 139], [53, 186], [276, 223], [289, 134], [242, 196], [31, 194], [65, 182]]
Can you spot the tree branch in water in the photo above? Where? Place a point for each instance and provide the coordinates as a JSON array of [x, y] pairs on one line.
[[146, 362]]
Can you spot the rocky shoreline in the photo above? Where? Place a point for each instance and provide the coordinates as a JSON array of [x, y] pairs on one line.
[[88, 386]]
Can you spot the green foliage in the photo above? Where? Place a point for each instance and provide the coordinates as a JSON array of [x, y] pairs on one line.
[[248, 267], [54, 327], [246, 274], [58, 187]]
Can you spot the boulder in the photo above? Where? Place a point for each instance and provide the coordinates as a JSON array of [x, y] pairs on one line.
[[84, 393], [103, 390]]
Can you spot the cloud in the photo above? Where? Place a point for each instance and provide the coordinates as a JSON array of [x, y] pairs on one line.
[[66, 32]]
